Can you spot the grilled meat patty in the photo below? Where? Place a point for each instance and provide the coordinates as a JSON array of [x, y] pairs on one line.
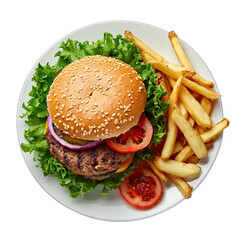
[[96, 163]]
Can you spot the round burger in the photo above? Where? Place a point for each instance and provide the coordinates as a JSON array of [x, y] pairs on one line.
[[96, 119]]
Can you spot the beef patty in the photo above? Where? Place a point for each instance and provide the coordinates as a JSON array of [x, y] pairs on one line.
[[96, 163]]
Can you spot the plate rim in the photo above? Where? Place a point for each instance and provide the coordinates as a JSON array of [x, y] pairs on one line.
[[29, 75]]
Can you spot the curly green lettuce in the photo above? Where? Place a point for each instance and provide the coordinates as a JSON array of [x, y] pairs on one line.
[[36, 110]]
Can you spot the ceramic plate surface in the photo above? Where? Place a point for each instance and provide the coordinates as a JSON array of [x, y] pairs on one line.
[[113, 207]]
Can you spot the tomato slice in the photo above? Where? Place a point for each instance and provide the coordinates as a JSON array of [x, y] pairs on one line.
[[137, 138], [142, 188]]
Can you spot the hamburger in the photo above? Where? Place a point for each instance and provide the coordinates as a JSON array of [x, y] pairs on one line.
[[92, 102], [94, 113]]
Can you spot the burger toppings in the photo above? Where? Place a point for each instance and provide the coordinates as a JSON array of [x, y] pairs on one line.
[[135, 139], [75, 141], [67, 144], [99, 162]]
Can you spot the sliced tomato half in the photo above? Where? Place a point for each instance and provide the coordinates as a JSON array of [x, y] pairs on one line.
[[137, 138], [141, 189]]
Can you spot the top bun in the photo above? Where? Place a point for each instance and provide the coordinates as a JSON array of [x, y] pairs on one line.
[[96, 98]]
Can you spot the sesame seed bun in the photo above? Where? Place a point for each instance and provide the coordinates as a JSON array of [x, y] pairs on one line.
[[96, 98]]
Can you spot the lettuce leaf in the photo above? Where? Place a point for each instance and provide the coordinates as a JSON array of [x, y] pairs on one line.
[[36, 110]]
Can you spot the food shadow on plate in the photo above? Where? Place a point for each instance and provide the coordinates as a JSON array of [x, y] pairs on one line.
[[103, 200]]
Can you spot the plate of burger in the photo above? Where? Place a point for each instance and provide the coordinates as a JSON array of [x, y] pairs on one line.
[[120, 120]]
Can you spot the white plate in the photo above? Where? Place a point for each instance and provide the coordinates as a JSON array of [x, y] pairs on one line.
[[113, 207]]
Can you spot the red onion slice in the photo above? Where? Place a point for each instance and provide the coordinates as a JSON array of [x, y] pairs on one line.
[[69, 145]]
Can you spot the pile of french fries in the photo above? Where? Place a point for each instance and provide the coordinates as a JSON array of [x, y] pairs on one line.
[[190, 131]]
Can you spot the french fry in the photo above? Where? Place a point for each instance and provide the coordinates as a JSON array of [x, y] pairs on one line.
[[143, 47], [175, 93], [163, 67], [212, 133], [209, 145], [183, 110], [211, 94], [191, 135], [200, 130], [182, 140], [191, 121], [148, 58], [196, 95], [182, 185], [193, 159], [176, 168], [193, 107], [177, 148], [159, 173], [187, 155], [201, 80], [165, 85], [178, 50], [184, 60], [186, 72], [184, 154], [207, 137], [179, 69], [172, 127], [207, 106]]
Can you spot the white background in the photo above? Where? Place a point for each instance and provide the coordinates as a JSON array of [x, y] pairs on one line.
[[28, 28]]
